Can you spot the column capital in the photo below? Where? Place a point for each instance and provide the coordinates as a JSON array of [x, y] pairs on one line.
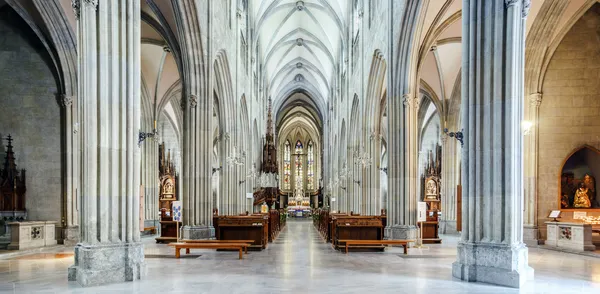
[[76, 5], [65, 100], [410, 101], [535, 99], [525, 6], [193, 101]]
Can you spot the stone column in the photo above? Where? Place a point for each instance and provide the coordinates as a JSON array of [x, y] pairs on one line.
[[530, 222], [449, 179], [110, 250], [197, 171], [402, 202], [70, 221], [491, 249]]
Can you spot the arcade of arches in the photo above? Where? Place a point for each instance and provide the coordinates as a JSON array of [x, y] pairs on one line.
[[137, 123]]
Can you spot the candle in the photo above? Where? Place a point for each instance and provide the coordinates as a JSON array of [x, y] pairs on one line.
[[155, 124]]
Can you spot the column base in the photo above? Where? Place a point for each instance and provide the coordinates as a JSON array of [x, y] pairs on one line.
[[198, 232], [401, 232], [448, 227], [70, 235], [107, 263], [491, 263], [530, 235]]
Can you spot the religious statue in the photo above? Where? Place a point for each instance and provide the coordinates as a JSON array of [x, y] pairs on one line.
[[591, 185], [582, 197]]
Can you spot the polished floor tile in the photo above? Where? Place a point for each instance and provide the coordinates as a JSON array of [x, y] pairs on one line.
[[300, 262]]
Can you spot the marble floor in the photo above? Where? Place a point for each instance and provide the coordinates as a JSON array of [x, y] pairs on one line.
[[300, 262]]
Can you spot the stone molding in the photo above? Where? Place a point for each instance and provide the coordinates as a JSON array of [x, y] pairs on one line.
[[535, 99], [409, 101], [193, 101]]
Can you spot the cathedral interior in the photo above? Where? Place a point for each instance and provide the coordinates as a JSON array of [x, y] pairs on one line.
[[299, 146]]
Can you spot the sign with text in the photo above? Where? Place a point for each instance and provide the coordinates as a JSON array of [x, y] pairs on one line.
[[421, 211], [579, 214]]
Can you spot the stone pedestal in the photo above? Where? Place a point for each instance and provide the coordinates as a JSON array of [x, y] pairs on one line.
[[574, 236], [448, 227], [71, 235], [103, 264], [401, 232], [34, 234], [493, 263], [198, 232], [530, 235]]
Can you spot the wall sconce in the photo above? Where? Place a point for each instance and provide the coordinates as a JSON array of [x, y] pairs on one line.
[[142, 136], [384, 169], [215, 169], [458, 135], [526, 125]]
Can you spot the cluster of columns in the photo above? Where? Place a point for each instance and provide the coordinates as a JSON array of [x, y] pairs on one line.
[[491, 249], [109, 91]]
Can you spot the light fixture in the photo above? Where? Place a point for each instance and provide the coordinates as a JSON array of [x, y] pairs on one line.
[[142, 136], [526, 125], [458, 135]]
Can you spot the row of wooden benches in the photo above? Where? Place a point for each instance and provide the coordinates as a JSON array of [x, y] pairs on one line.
[[242, 245]]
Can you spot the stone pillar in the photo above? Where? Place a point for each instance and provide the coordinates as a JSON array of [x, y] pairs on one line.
[[110, 250], [449, 179], [197, 170], [402, 202], [530, 222], [70, 220], [491, 249]]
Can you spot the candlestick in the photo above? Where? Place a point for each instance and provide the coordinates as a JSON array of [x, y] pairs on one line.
[[155, 124]]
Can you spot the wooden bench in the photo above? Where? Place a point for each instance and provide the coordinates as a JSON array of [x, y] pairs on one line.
[[403, 243], [187, 246], [247, 242], [151, 229]]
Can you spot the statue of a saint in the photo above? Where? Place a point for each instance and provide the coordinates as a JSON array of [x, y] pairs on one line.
[[582, 198]]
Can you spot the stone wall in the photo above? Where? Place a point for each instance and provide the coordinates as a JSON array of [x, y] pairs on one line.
[[29, 112], [570, 109]]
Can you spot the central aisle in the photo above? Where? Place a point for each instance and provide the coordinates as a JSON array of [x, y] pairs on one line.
[[299, 261]]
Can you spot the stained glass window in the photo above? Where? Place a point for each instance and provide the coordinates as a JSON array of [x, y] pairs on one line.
[[286, 165], [299, 172], [310, 167], [299, 147]]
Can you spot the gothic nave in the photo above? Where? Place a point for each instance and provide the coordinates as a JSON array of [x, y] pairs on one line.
[[323, 146]]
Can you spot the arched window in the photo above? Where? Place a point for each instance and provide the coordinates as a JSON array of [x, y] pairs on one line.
[[310, 180], [286, 165], [299, 172], [299, 147]]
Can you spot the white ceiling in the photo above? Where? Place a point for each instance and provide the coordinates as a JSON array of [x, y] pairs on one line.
[[300, 43]]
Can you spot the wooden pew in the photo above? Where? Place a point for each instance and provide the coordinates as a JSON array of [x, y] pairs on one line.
[[187, 246], [251, 227], [356, 228], [152, 230], [247, 242], [403, 243]]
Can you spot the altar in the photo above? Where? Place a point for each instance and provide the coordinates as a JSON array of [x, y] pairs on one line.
[[299, 205], [571, 235]]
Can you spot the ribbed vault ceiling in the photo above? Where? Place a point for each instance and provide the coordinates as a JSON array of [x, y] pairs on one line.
[[299, 44]]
